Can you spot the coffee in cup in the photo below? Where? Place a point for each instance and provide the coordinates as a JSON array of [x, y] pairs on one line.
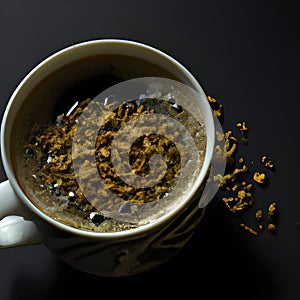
[[89, 168], [141, 231]]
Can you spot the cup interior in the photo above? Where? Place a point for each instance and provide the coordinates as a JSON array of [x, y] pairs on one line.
[[73, 74]]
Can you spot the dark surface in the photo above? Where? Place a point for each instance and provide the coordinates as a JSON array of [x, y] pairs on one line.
[[244, 53]]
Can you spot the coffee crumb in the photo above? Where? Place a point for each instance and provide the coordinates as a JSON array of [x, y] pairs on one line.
[[267, 162], [272, 210], [258, 215], [238, 191], [259, 177], [216, 106], [248, 229], [272, 228], [243, 127]]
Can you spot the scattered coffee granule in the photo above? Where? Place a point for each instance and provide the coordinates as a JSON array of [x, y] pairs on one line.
[[259, 177], [244, 131], [239, 192], [259, 214], [248, 228], [239, 202], [272, 210], [272, 228], [267, 163], [243, 128], [231, 143], [216, 106]]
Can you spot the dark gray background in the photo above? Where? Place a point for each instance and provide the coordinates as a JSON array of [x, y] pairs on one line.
[[244, 53]]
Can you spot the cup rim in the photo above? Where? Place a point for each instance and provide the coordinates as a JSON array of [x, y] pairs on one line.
[[144, 229]]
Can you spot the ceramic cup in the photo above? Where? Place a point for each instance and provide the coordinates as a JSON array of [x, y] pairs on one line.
[[38, 97]]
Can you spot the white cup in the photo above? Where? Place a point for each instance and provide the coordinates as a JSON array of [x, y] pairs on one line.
[[101, 253]]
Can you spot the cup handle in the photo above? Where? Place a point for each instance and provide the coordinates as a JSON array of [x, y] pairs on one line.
[[16, 228]]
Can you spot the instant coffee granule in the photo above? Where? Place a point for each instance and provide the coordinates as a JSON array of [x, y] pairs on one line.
[[237, 185]]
